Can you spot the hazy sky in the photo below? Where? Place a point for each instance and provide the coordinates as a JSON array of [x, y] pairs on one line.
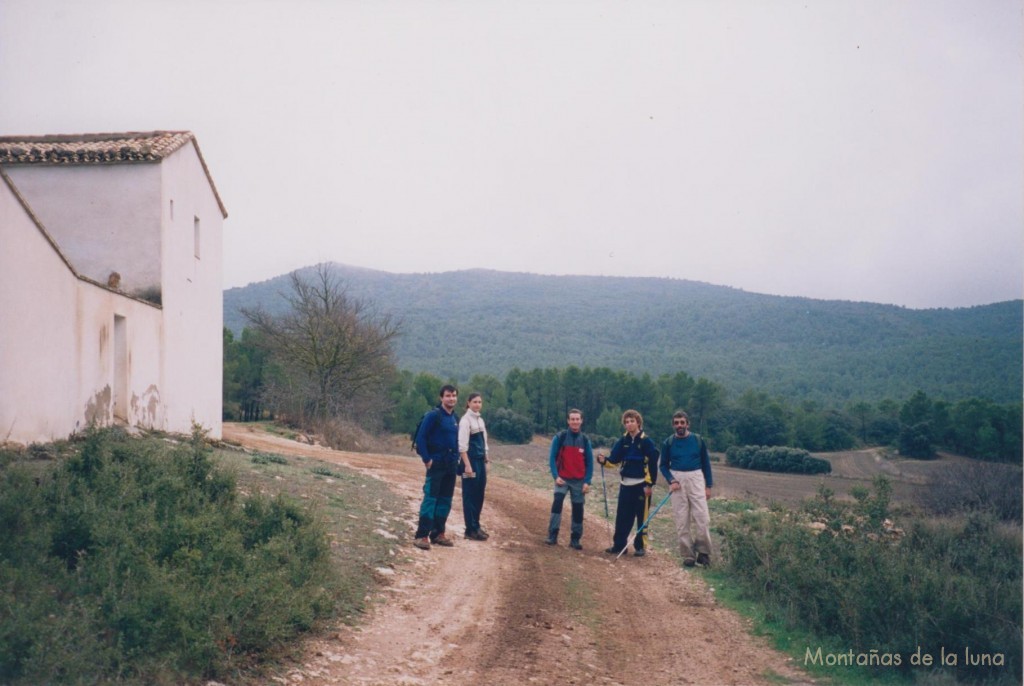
[[869, 150]]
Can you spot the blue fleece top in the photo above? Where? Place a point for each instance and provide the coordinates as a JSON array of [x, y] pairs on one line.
[[685, 455], [638, 456], [438, 437], [578, 439]]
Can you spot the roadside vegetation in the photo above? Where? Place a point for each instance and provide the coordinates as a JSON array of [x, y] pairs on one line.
[[161, 561], [885, 589]]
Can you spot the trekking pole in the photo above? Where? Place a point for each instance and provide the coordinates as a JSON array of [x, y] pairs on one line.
[[644, 525], [604, 489]]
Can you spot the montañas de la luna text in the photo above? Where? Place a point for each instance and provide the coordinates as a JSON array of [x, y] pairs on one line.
[[876, 658]]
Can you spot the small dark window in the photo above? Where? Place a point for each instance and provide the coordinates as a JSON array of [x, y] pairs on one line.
[[195, 235]]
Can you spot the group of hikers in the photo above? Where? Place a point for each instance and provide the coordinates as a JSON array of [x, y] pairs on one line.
[[453, 449]]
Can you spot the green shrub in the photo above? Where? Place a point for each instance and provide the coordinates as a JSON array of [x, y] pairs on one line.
[[136, 562], [953, 586], [915, 441], [328, 472], [266, 458], [776, 459], [506, 425]]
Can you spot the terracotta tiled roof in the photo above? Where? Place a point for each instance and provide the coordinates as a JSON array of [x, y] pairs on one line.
[[99, 148], [103, 148]]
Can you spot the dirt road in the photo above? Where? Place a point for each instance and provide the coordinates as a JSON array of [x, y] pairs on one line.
[[512, 610]]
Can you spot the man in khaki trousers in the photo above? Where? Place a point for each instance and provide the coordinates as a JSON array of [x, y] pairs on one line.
[[687, 470]]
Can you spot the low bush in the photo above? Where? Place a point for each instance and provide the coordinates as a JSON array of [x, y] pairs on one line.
[[976, 486], [267, 458], [776, 459], [938, 585], [136, 561], [506, 425]]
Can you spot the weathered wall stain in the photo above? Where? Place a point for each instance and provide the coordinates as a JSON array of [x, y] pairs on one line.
[[144, 407], [99, 408]]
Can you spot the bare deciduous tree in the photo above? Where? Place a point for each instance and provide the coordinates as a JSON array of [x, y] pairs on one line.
[[332, 352]]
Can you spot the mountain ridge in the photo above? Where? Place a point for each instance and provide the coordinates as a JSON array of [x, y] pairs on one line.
[[793, 346], [352, 269]]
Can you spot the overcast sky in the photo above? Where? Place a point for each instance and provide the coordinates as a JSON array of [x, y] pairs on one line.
[[869, 150]]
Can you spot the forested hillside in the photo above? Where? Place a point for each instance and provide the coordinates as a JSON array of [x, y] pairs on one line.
[[457, 324]]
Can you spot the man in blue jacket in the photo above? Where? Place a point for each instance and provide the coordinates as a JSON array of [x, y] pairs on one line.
[[687, 470], [637, 457], [437, 444]]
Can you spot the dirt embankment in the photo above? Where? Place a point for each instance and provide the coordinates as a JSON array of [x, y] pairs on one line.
[[512, 610]]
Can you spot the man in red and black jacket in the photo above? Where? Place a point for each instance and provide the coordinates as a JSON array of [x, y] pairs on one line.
[[572, 466]]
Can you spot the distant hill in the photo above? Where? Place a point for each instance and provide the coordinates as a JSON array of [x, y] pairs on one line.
[[457, 324]]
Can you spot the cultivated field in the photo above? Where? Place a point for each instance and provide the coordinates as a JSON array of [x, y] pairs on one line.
[[849, 469]]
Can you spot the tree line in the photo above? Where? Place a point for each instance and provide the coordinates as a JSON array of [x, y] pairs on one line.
[[330, 356], [540, 399]]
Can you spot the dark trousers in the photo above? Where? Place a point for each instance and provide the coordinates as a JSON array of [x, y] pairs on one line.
[[473, 494], [632, 508], [438, 489], [575, 490]]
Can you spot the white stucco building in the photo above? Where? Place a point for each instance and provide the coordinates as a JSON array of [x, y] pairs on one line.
[[111, 286]]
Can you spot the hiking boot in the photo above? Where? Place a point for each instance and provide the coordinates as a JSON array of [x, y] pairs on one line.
[[551, 540], [689, 562], [483, 532], [443, 541], [422, 543], [639, 552], [476, 536], [613, 550], [703, 560], [575, 544]]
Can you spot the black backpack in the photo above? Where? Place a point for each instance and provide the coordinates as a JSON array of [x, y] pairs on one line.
[[416, 431]]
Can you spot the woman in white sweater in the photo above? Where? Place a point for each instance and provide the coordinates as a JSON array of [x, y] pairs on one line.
[[473, 453]]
